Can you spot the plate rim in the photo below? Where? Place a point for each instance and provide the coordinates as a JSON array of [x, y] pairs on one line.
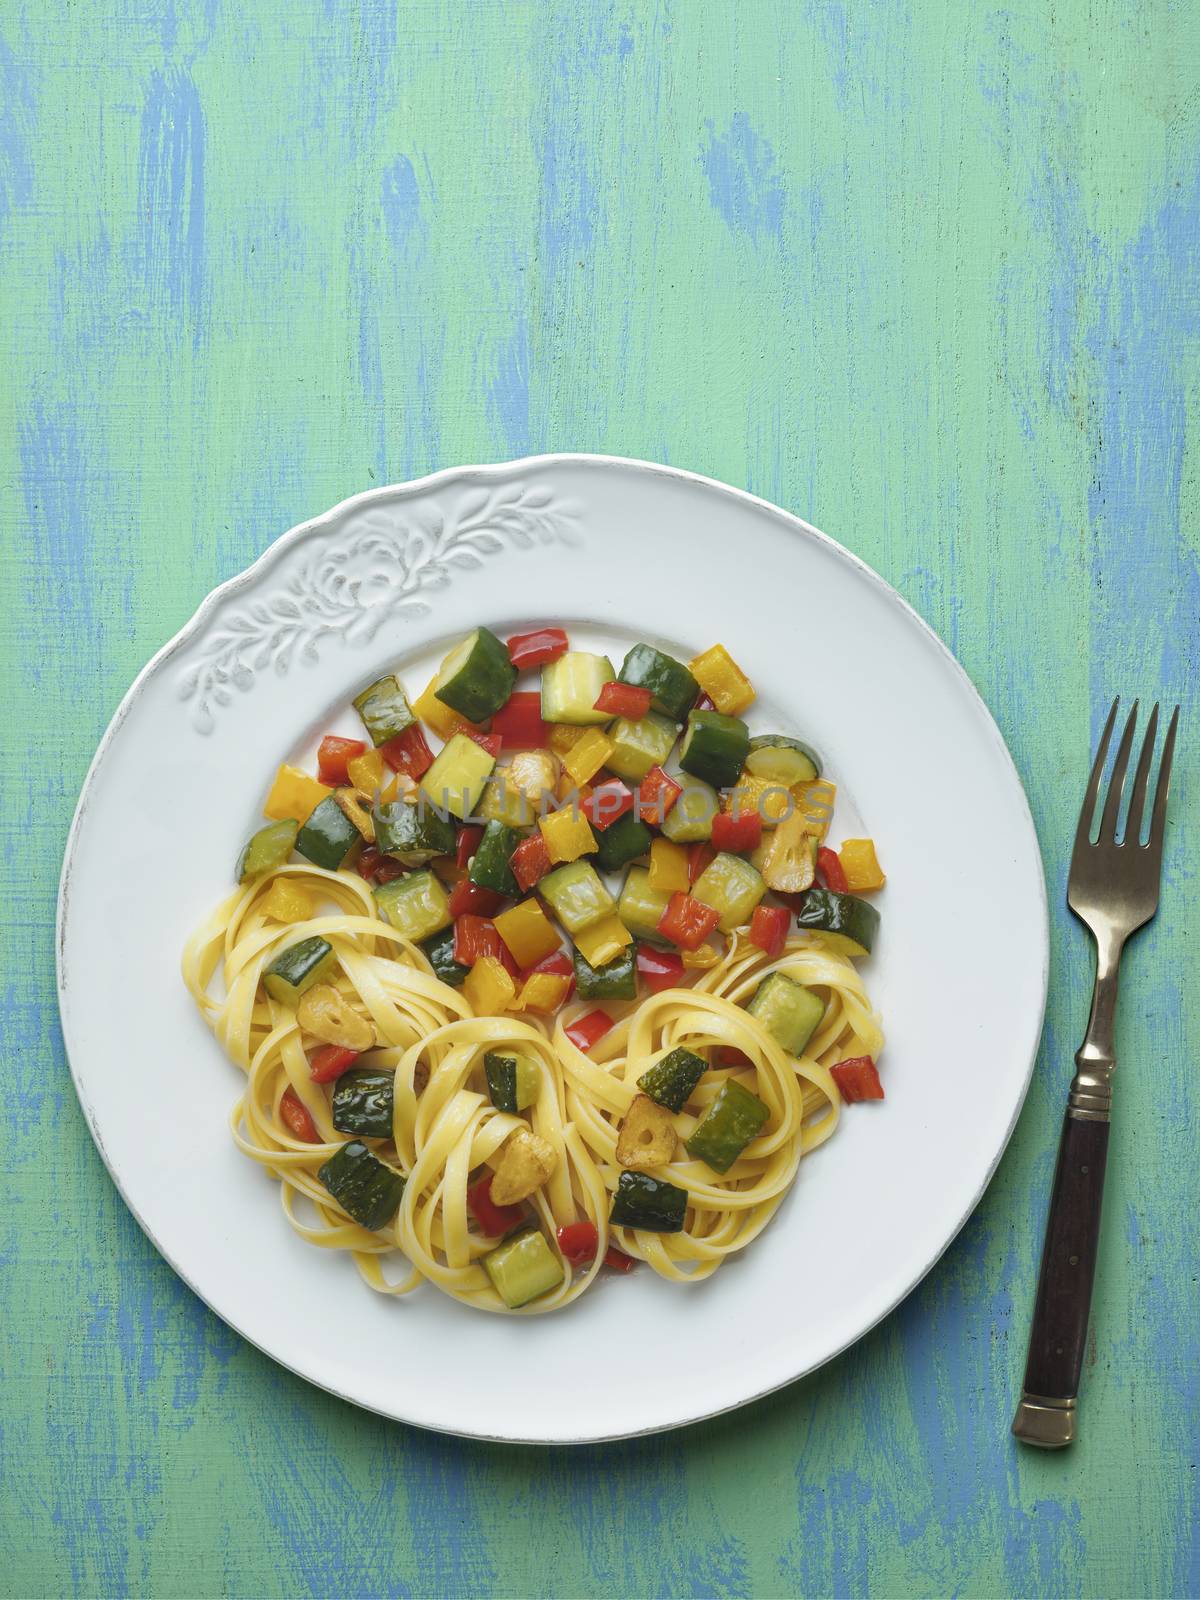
[[408, 488]]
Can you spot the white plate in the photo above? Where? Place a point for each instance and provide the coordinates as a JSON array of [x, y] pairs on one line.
[[615, 551]]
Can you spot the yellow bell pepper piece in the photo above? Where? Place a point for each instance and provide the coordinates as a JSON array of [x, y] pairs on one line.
[[365, 772], [706, 956], [562, 738], [287, 902], [528, 933], [585, 758], [543, 992], [603, 941], [722, 680], [771, 800], [489, 988], [861, 866], [668, 867], [294, 794], [443, 719], [567, 833], [815, 802]]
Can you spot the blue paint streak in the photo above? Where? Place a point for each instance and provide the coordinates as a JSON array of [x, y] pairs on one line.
[[17, 117], [508, 387], [171, 198], [743, 181], [401, 201]]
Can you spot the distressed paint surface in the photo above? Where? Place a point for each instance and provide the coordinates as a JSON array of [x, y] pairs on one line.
[[926, 273]]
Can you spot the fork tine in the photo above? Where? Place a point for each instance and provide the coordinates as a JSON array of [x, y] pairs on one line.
[[1088, 809], [1116, 787], [1137, 800], [1159, 818]]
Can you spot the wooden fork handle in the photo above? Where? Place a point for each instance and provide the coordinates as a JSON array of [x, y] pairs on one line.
[[1046, 1414]]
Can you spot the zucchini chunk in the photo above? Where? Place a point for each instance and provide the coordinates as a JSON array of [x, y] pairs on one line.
[[672, 688], [649, 1203], [577, 895], [413, 834], [416, 906], [328, 836], [489, 867], [365, 1187], [571, 686], [503, 802], [362, 1103], [384, 709], [731, 887], [647, 1136], [787, 1010], [297, 968], [455, 780], [848, 923], [477, 677], [439, 952], [622, 841], [690, 818], [523, 1268], [638, 746], [641, 907], [513, 1080], [672, 1078], [727, 1127], [714, 748], [782, 761], [615, 980], [267, 849]]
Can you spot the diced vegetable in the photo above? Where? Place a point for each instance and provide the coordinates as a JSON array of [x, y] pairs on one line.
[[408, 752], [439, 951], [659, 969], [562, 739], [543, 992], [857, 1078], [814, 802], [294, 795], [568, 834], [570, 686], [530, 861], [490, 867], [333, 754], [768, 930], [365, 1187], [623, 700], [534, 774], [468, 899], [297, 1118], [467, 843], [849, 924], [287, 902], [733, 889], [668, 867], [578, 1242], [722, 680], [350, 804], [727, 1127], [365, 772], [519, 723], [476, 937], [622, 843], [737, 833], [639, 746], [477, 677], [647, 1136], [489, 988], [523, 1269], [526, 1162], [641, 905], [656, 794], [502, 801], [691, 817], [384, 709], [618, 1260], [607, 803], [789, 1012], [714, 748], [329, 1016], [414, 834], [673, 1077], [603, 941], [699, 855], [444, 721], [687, 922], [455, 780], [528, 932], [771, 802], [783, 761], [416, 906], [297, 968], [513, 1080], [329, 1061], [362, 1103], [830, 871], [789, 865], [491, 742], [536, 648], [648, 1203], [494, 1221], [672, 687], [267, 849], [586, 1031], [617, 980], [587, 755], [861, 866], [368, 861]]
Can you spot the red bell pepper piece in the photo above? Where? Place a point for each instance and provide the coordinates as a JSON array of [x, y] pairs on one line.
[[558, 962], [578, 1242], [519, 721], [725, 1055], [659, 969], [530, 861], [687, 922], [606, 803], [858, 1079], [656, 794], [833, 874], [585, 1031], [467, 844], [469, 897], [474, 937], [333, 754], [618, 1259], [705, 703], [388, 869], [368, 859], [493, 1220], [408, 752], [742, 832], [329, 1062], [623, 700], [486, 741], [296, 1115], [699, 855], [768, 929], [536, 648]]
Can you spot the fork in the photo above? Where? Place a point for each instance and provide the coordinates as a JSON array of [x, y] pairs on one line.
[[1113, 889]]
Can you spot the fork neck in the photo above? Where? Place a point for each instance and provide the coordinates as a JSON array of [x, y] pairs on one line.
[[1096, 1059]]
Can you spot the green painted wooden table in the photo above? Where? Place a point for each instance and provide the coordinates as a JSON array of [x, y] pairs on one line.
[[925, 273]]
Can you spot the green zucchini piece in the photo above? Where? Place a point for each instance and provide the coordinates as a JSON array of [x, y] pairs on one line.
[[714, 748], [523, 1268], [365, 1187], [297, 968], [513, 1080], [672, 688], [571, 686], [731, 886], [691, 817], [414, 834], [782, 761], [477, 677], [503, 802], [455, 780], [789, 1012], [672, 1078], [439, 951], [576, 894], [328, 836], [853, 920], [489, 865], [267, 849], [362, 1103], [650, 1203], [638, 746], [727, 1127], [384, 709], [416, 906], [615, 980], [622, 841], [641, 907]]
